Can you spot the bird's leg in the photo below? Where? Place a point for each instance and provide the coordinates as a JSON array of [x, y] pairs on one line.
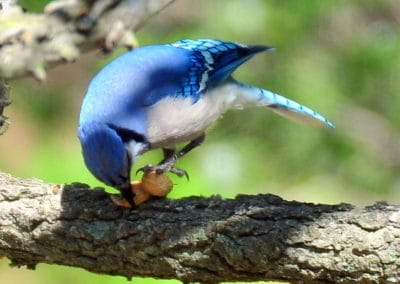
[[170, 157], [168, 153], [191, 145]]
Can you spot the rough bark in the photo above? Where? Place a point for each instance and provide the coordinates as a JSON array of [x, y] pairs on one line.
[[198, 239]]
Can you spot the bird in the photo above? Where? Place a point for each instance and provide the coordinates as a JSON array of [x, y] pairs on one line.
[[159, 96]]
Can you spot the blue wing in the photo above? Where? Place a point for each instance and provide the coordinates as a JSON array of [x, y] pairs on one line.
[[212, 61]]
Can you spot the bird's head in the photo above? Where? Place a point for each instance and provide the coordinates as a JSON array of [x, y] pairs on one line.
[[109, 152]]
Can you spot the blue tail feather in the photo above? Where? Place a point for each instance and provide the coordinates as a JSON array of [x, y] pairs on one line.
[[284, 106]]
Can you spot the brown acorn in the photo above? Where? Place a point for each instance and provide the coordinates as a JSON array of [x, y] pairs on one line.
[[156, 184], [152, 184], [141, 195]]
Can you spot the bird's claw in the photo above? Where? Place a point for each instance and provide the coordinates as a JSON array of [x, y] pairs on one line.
[[179, 172], [145, 169], [163, 168]]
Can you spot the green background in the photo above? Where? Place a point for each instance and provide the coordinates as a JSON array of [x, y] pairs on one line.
[[342, 58]]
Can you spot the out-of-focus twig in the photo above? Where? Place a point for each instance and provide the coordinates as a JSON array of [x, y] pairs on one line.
[[29, 43]]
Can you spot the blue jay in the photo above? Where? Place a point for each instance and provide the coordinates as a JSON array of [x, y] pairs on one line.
[[161, 95]]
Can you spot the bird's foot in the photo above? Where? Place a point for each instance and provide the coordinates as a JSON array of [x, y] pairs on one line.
[[164, 168]]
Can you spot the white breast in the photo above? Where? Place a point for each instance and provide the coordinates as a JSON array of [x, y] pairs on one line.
[[175, 120]]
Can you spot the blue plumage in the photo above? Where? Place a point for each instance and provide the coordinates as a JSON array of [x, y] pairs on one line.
[[212, 62], [161, 95]]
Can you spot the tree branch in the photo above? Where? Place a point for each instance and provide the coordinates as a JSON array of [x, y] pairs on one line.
[[4, 101], [198, 239], [29, 43]]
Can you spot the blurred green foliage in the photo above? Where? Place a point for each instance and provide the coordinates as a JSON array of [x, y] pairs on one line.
[[33, 6], [341, 58]]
